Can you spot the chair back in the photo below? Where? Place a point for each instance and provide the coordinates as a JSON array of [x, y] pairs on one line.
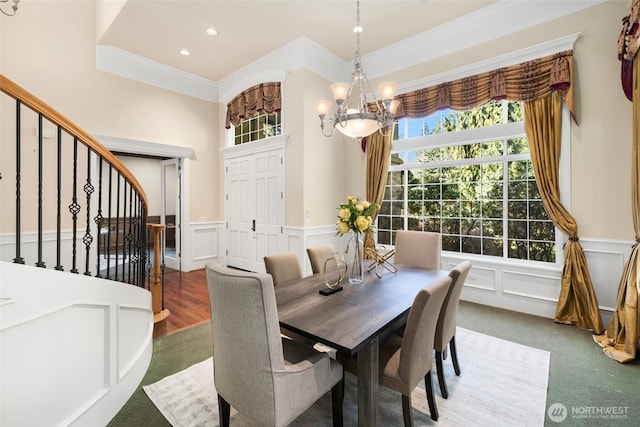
[[246, 339], [416, 353], [283, 267], [420, 249], [447, 320], [318, 255]]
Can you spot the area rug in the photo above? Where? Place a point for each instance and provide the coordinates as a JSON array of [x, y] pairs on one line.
[[502, 384]]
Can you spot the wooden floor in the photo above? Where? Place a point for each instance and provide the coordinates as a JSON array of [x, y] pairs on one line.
[[187, 298]]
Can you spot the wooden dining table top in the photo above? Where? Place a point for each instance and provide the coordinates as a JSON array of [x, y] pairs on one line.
[[348, 320]]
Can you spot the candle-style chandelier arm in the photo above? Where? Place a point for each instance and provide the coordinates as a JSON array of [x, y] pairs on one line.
[[10, 11]]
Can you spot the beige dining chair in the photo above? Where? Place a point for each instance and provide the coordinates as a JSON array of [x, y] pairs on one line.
[[268, 379], [406, 360], [420, 249], [318, 255], [447, 323], [283, 267]]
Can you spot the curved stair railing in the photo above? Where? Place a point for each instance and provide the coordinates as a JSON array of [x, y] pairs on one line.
[[75, 206]]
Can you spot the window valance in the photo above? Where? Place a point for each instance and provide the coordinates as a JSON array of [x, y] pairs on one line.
[[520, 82], [263, 97]]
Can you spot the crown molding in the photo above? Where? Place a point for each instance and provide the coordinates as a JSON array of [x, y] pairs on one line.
[[135, 67], [536, 51], [489, 23], [144, 148], [300, 53]]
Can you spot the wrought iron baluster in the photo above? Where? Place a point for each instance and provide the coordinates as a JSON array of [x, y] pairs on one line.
[[109, 222], [118, 226], [40, 262], [99, 219], [129, 236], [18, 259], [87, 239], [74, 207], [59, 203]]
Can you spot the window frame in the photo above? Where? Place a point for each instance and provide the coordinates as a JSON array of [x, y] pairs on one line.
[[477, 135]]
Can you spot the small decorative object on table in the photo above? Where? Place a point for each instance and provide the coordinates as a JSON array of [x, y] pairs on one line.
[[334, 264], [355, 216], [380, 257]]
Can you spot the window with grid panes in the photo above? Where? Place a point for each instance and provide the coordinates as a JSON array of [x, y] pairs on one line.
[[258, 127], [468, 176]]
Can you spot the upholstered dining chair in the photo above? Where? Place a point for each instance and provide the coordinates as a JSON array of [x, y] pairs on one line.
[[419, 249], [269, 379], [283, 267], [318, 255], [447, 322], [405, 361]]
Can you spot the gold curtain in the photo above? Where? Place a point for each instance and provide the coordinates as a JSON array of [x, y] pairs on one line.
[[378, 151], [577, 303], [620, 340], [520, 82], [261, 97]]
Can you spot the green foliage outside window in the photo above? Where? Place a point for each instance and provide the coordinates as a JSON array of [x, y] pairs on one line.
[[481, 196], [258, 127]]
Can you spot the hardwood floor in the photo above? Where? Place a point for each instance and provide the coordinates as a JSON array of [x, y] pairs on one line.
[[187, 298]]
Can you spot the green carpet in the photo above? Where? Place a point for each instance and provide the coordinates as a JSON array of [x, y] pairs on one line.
[[590, 385]]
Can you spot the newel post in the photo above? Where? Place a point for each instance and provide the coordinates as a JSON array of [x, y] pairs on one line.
[[160, 314]]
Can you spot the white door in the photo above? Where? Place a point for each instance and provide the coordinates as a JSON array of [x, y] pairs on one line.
[[255, 208], [170, 212]]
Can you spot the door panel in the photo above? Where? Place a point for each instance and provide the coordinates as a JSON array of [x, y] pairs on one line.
[[255, 210], [170, 212]]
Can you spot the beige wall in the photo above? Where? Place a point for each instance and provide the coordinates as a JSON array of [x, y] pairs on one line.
[[49, 49]]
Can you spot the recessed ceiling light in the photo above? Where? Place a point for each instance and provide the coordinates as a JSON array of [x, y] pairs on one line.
[[185, 52], [212, 31]]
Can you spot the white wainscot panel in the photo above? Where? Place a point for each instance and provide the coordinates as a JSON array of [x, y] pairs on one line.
[[606, 262], [205, 241], [542, 285], [135, 326], [480, 278], [36, 376]]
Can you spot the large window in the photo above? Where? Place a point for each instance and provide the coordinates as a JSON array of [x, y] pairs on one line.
[[257, 127], [468, 176]]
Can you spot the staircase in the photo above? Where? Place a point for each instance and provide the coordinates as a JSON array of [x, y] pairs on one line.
[[76, 307]]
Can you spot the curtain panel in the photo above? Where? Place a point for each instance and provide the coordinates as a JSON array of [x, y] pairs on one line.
[[521, 82], [263, 97], [620, 340], [577, 303], [378, 151]]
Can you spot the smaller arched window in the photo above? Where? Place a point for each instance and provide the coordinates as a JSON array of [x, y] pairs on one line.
[[255, 113]]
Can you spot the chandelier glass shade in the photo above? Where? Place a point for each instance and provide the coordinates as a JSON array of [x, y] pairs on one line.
[[359, 113]]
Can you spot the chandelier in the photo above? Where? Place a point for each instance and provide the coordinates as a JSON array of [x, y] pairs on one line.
[[353, 116], [10, 10]]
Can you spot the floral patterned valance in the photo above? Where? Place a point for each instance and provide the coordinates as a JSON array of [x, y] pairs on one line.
[[261, 97], [521, 82]]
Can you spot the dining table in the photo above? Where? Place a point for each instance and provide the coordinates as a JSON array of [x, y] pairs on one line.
[[354, 320]]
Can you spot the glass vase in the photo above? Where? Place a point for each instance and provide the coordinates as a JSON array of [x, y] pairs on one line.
[[356, 271]]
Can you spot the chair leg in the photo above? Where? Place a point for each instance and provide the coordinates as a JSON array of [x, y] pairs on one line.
[[337, 399], [407, 415], [454, 355], [441, 381], [224, 411], [431, 399]]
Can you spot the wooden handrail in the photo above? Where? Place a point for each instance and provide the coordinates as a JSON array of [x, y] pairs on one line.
[[15, 91]]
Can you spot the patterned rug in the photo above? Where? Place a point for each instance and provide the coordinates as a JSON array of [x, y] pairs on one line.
[[502, 384]]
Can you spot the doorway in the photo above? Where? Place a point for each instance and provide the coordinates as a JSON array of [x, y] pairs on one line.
[[254, 207]]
